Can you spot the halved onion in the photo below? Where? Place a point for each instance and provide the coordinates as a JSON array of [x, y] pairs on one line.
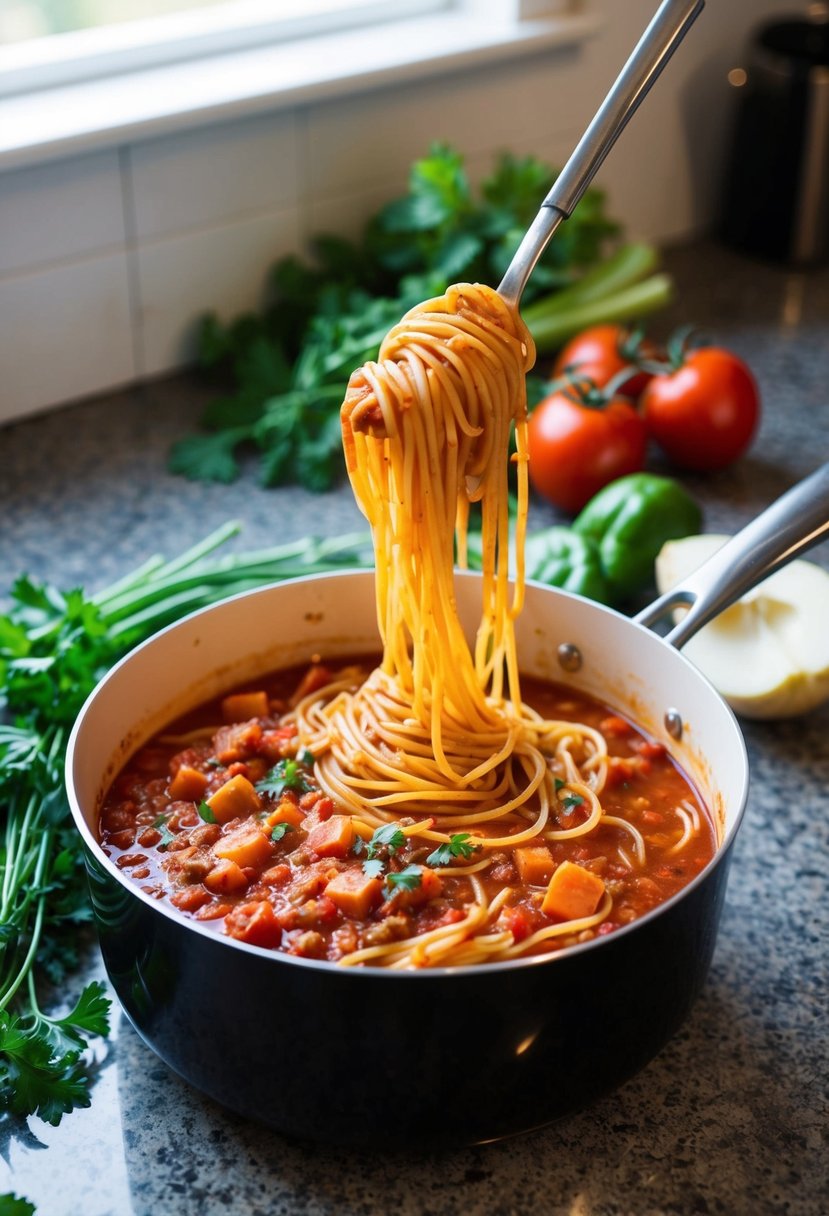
[[768, 654]]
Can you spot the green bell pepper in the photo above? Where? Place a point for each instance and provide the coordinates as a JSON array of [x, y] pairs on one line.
[[630, 520], [562, 558]]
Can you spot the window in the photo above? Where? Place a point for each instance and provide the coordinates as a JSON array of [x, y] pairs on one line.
[[50, 42]]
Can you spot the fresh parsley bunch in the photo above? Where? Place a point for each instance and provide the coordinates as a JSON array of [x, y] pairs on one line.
[[286, 368]]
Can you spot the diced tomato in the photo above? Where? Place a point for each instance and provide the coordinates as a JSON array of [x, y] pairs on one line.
[[277, 743], [254, 923], [190, 899], [277, 875], [649, 749], [625, 768], [237, 742], [615, 725], [517, 921]]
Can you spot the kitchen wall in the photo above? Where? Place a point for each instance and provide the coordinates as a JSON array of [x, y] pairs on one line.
[[108, 258]]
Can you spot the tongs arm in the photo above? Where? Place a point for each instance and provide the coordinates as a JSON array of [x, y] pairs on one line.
[[667, 29]]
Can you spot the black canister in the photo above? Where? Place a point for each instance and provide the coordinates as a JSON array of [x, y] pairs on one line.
[[776, 186]]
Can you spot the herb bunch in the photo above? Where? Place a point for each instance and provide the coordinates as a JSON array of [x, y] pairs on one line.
[[54, 647], [286, 368]]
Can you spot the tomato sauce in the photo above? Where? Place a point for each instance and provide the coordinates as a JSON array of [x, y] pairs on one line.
[[221, 816]]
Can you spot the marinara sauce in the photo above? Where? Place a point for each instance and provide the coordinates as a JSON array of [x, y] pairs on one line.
[[221, 816]]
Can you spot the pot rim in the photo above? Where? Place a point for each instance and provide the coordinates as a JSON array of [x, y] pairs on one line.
[[424, 974]]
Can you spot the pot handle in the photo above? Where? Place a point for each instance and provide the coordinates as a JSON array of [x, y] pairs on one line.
[[792, 524]]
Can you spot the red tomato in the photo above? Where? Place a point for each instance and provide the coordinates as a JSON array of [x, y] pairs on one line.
[[601, 352], [575, 448], [704, 414]]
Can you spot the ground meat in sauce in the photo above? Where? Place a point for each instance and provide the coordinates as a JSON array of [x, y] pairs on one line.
[[280, 865]]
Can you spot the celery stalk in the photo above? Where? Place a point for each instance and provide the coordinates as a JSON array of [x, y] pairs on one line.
[[551, 329]]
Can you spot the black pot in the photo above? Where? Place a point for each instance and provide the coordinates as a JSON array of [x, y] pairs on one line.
[[372, 1057]]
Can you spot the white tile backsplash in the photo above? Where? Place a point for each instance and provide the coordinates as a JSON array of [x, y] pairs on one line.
[[217, 269], [66, 209], [199, 217], [66, 332], [207, 176]]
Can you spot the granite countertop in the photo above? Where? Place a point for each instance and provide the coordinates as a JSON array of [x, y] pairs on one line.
[[731, 1116]]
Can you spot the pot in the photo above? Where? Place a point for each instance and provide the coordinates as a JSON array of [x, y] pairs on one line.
[[372, 1058]]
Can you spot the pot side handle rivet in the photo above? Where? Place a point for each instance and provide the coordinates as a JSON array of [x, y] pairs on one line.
[[673, 723], [569, 656]]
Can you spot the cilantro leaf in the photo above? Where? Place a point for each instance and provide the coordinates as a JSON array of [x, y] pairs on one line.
[[13, 1205], [206, 812], [279, 829], [457, 846], [285, 775], [373, 868], [404, 880]]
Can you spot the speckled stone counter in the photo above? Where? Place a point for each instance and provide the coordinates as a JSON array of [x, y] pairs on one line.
[[731, 1117]]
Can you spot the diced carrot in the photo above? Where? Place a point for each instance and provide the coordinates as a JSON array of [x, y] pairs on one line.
[[535, 864], [226, 876], [572, 892], [355, 894], [236, 799], [254, 923], [247, 845], [240, 706], [315, 677], [188, 784], [286, 812], [333, 838]]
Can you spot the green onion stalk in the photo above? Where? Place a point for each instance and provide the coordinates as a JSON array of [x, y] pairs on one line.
[[54, 647]]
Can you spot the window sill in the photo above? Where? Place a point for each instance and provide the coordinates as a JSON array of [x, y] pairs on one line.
[[58, 122]]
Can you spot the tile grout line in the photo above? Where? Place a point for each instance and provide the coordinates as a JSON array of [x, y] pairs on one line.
[[133, 273]]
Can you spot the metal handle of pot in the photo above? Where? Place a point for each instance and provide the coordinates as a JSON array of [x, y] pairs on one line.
[[663, 35], [792, 524]]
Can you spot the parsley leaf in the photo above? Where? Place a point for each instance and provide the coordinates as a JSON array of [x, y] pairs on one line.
[[404, 880], [373, 868], [279, 829], [571, 801], [206, 812], [457, 846], [285, 775]]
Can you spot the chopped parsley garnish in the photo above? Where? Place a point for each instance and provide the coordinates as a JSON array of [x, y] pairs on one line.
[[456, 846], [390, 838], [279, 829], [571, 801], [306, 757], [206, 812], [404, 880], [560, 784], [285, 775], [167, 836]]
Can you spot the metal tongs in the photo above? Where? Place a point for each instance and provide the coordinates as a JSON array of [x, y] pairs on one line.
[[668, 27]]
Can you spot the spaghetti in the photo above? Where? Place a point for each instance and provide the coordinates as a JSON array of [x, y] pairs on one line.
[[418, 812], [438, 732]]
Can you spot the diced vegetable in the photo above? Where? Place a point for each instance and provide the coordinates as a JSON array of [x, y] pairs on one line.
[[226, 876], [236, 742], [572, 893], [535, 864], [247, 845], [241, 706], [354, 893], [333, 838], [188, 784], [286, 812], [254, 923], [236, 799]]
